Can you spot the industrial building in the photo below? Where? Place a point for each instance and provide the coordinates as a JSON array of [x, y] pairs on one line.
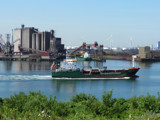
[[28, 40], [145, 52], [41, 41], [23, 38]]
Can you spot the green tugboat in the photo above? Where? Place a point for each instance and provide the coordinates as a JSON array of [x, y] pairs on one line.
[[69, 70], [84, 57]]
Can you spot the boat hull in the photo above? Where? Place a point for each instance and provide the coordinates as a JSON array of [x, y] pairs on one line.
[[108, 74], [83, 59]]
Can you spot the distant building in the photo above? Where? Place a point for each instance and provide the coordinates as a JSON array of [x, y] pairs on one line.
[[41, 41], [26, 36], [30, 40], [158, 45], [151, 46], [17, 40], [145, 52], [23, 38]]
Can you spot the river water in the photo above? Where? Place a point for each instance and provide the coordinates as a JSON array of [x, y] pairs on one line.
[[16, 76]]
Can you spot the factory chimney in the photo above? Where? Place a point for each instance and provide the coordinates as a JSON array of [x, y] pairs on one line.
[[52, 35], [52, 41], [22, 26]]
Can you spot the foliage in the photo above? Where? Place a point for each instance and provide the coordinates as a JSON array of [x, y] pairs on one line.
[[35, 105]]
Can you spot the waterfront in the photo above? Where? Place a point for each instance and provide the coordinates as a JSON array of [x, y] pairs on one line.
[[16, 76]]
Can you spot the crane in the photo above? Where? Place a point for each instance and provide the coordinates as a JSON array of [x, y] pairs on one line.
[[2, 43], [82, 46], [1, 39], [15, 41]]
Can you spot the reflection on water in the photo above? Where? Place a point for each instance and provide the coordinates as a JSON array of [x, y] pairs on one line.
[[24, 66], [7, 65], [144, 64], [63, 85], [93, 87]]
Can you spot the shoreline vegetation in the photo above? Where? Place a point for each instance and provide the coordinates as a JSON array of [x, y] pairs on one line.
[[37, 106]]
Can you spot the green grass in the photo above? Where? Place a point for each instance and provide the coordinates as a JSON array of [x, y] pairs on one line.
[[112, 57], [37, 106]]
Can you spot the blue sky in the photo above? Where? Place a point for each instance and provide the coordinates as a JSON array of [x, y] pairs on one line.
[[131, 23]]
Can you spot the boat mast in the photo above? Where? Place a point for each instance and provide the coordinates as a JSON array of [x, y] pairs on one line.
[[133, 57]]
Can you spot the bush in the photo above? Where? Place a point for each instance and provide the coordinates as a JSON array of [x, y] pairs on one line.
[[36, 101], [16, 101], [35, 105]]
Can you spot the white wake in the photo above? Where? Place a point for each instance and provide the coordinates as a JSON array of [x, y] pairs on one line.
[[25, 77]]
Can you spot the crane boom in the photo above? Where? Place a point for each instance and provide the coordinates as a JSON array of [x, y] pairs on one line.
[[1, 39], [16, 41]]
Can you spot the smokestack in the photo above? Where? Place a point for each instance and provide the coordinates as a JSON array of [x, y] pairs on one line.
[[52, 34], [22, 26], [12, 35]]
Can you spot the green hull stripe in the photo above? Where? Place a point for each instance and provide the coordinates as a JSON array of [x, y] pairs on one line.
[[77, 74]]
